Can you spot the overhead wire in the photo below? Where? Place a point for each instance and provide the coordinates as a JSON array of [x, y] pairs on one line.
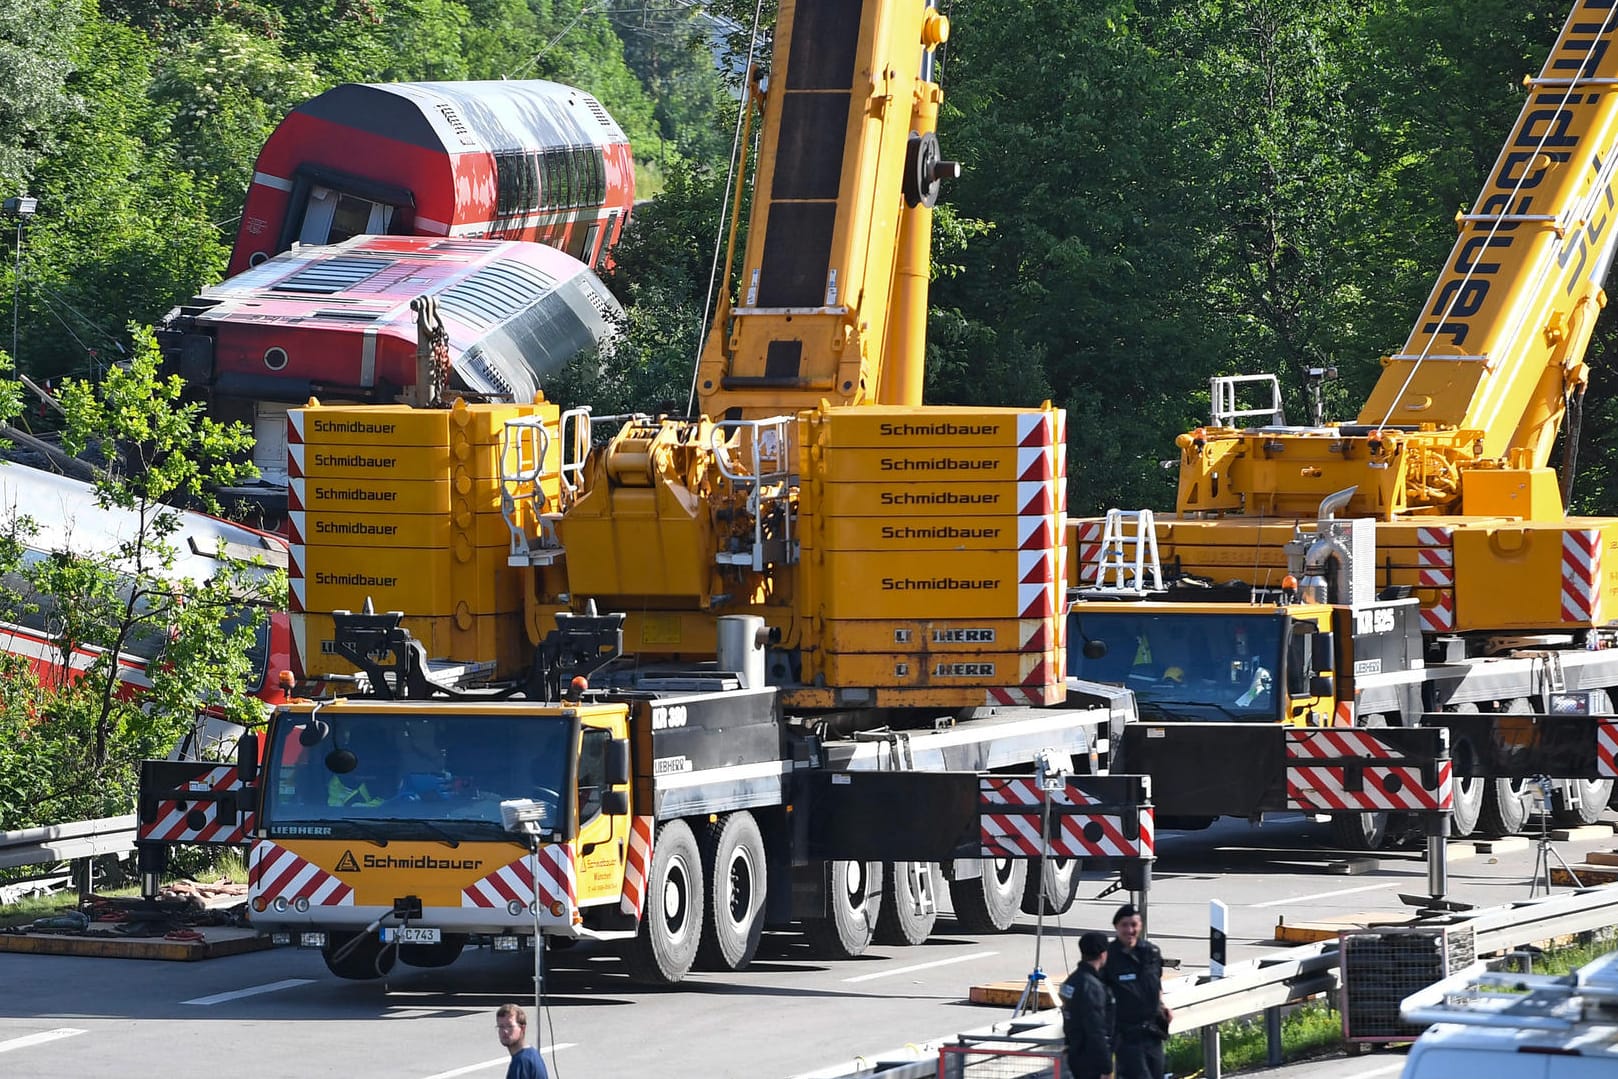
[[731, 179]]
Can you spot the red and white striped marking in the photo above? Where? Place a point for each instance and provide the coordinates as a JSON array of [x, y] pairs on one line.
[[1343, 715], [1440, 617], [1581, 575], [1324, 787], [1607, 747], [1040, 498], [1024, 697], [1435, 568], [1076, 835], [1089, 539], [1039, 533], [637, 868], [1036, 464], [515, 880], [273, 872], [1037, 428], [171, 825]]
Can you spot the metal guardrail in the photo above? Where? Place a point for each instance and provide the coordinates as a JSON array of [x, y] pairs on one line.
[[67, 842], [1289, 976]]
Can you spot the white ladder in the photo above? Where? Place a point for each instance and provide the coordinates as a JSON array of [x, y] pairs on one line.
[[1129, 554]]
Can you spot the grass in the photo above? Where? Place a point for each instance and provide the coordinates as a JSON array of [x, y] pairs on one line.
[[228, 864], [1316, 1027]]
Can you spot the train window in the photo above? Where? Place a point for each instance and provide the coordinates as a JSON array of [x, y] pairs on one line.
[[505, 180], [553, 179], [598, 177], [530, 181]]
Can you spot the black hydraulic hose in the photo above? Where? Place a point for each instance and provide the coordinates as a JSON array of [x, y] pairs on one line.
[[1570, 448]]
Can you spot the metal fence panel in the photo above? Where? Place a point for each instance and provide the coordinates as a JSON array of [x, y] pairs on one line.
[[984, 1062]]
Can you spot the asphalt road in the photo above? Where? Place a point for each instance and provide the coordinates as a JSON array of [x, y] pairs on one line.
[[279, 1014]]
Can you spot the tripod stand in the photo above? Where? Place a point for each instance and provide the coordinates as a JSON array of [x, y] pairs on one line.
[[1545, 851], [1030, 999]]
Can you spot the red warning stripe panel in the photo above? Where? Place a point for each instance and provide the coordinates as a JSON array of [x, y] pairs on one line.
[[274, 872], [193, 820], [1607, 748], [1024, 697], [637, 867], [1035, 464], [1078, 835], [1336, 743], [1440, 617], [1581, 575], [1035, 429], [1325, 789]]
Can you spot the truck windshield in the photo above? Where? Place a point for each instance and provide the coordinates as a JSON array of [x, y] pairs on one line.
[[1184, 665], [378, 775]]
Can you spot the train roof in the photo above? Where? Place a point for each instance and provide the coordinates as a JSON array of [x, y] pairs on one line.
[[67, 517], [496, 116], [514, 311]]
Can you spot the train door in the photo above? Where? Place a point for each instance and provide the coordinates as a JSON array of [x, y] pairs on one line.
[[331, 216]]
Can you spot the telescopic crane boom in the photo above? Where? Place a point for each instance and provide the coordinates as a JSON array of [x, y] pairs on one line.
[[1464, 416]]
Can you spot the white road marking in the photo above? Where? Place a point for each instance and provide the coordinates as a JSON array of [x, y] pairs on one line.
[[496, 1062], [39, 1039], [251, 991], [1321, 895], [921, 966], [1386, 1069]]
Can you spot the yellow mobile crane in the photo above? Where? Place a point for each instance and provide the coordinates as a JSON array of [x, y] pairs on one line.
[[837, 679], [1414, 567]]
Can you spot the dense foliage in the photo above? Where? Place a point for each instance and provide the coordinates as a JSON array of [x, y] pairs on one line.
[[74, 726]]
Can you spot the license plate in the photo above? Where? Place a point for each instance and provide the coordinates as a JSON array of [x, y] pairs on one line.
[[410, 934]]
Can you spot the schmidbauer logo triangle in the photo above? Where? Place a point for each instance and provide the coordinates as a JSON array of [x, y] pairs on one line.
[[347, 864]]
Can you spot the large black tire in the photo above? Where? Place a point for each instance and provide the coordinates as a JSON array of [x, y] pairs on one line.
[[1469, 793], [898, 921], [1361, 831], [367, 960], [733, 866], [989, 903], [1053, 883], [665, 948], [854, 899], [1506, 801], [1593, 796], [442, 954]]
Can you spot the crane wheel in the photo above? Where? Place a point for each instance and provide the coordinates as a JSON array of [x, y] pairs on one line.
[[1506, 801], [989, 903], [900, 921], [1053, 883], [1469, 793], [1593, 796], [665, 948], [854, 900], [733, 866]]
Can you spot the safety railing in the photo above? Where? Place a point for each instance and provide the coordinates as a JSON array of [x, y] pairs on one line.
[[54, 844], [1264, 985]]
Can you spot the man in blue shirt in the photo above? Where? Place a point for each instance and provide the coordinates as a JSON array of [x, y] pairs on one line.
[[511, 1023]]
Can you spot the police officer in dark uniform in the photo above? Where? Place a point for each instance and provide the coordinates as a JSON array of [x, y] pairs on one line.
[[1134, 971], [1088, 1017]]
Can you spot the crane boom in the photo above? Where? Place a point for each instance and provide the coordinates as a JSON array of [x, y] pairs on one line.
[[850, 98], [1464, 416], [1499, 343]]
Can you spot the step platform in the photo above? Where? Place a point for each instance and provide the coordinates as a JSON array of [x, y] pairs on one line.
[[1313, 930], [206, 942]]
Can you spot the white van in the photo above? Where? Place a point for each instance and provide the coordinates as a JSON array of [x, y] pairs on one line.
[[1516, 1026]]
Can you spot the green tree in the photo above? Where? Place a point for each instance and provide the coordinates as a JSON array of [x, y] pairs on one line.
[[123, 231], [78, 738], [35, 37]]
